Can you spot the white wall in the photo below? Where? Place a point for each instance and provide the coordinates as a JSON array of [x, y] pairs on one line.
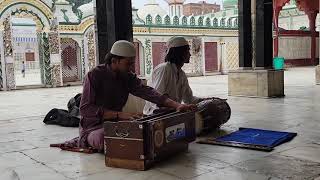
[[295, 47]]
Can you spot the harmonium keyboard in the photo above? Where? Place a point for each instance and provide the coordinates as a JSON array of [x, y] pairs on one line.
[[140, 143]]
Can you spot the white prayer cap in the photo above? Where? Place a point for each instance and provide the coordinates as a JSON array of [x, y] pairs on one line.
[[123, 48], [177, 41]]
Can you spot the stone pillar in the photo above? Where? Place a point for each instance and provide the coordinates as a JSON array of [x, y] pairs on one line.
[[203, 57], [83, 62], [2, 64], [55, 55], [245, 34], [318, 75], [276, 26], [223, 59], [91, 56], [254, 31], [264, 39], [8, 56], [312, 24], [46, 60], [86, 53], [113, 22], [255, 46]]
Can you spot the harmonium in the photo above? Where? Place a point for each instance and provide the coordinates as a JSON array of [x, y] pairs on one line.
[[140, 143]]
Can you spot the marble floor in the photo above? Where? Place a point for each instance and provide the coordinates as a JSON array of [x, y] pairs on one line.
[[25, 152]]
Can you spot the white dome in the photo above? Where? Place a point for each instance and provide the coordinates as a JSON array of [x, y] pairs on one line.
[[152, 8], [86, 9]]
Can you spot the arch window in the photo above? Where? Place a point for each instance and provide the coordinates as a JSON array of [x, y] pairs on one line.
[[200, 21], [184, 21], [215, 22], [175, 20], [208, 23], [158, 19], [148, 19], [192, 21], [167, 20]]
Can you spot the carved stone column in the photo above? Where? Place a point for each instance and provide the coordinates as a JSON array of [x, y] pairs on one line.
[[92, 61], [83, 62], [255, 18], [8, 56], [2, 63], [318, 75], [55, 55]]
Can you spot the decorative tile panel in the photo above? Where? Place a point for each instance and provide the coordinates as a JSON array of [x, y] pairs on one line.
[[232, 55]]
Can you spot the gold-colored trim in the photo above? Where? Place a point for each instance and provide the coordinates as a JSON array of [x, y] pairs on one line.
[[45, 9], [79, 28]]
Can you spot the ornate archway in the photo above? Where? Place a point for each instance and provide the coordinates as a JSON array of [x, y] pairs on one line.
[[41, 14], [311, 9], [70, 60], [36, 6]]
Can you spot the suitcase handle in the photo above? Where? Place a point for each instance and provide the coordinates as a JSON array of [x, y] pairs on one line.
[[123, 134]]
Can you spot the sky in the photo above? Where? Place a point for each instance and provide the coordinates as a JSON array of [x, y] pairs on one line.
[[140, 3]]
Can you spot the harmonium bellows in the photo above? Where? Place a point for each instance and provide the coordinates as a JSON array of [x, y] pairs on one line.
[[140, 143]]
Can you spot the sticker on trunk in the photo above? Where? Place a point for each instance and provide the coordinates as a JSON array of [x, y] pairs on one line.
[[175, 132], [158, 138]]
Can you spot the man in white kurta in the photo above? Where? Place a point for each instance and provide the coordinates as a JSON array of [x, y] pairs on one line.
[[171, 81]]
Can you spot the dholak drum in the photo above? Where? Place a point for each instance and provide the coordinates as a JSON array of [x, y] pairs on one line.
[[212, 113]]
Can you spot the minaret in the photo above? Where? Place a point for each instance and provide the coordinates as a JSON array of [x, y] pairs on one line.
[[175, 7]]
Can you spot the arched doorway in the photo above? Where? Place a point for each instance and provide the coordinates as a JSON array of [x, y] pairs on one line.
[[211, 56], [25, 52], [26, 22], [70, 60]]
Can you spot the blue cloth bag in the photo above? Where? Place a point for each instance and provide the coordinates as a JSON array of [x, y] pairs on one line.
[[259, 137]]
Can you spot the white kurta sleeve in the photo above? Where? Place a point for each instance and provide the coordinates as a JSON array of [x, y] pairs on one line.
[[158, 82], [187, 94], [159, 79]]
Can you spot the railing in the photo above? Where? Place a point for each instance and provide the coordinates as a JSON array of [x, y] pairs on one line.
[[29, 65]]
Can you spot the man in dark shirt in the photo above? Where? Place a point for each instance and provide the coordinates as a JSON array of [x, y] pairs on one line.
[[105, 92]]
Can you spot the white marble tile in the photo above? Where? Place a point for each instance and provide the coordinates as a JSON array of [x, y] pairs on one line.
[[282, 167], [114, 174], [34, 172], [50, 155], [229, 155], [196, 161], [180, 170], [14, 146], [149, 175], [10, 160], [307, 152], [233, 173], [75, 168]]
